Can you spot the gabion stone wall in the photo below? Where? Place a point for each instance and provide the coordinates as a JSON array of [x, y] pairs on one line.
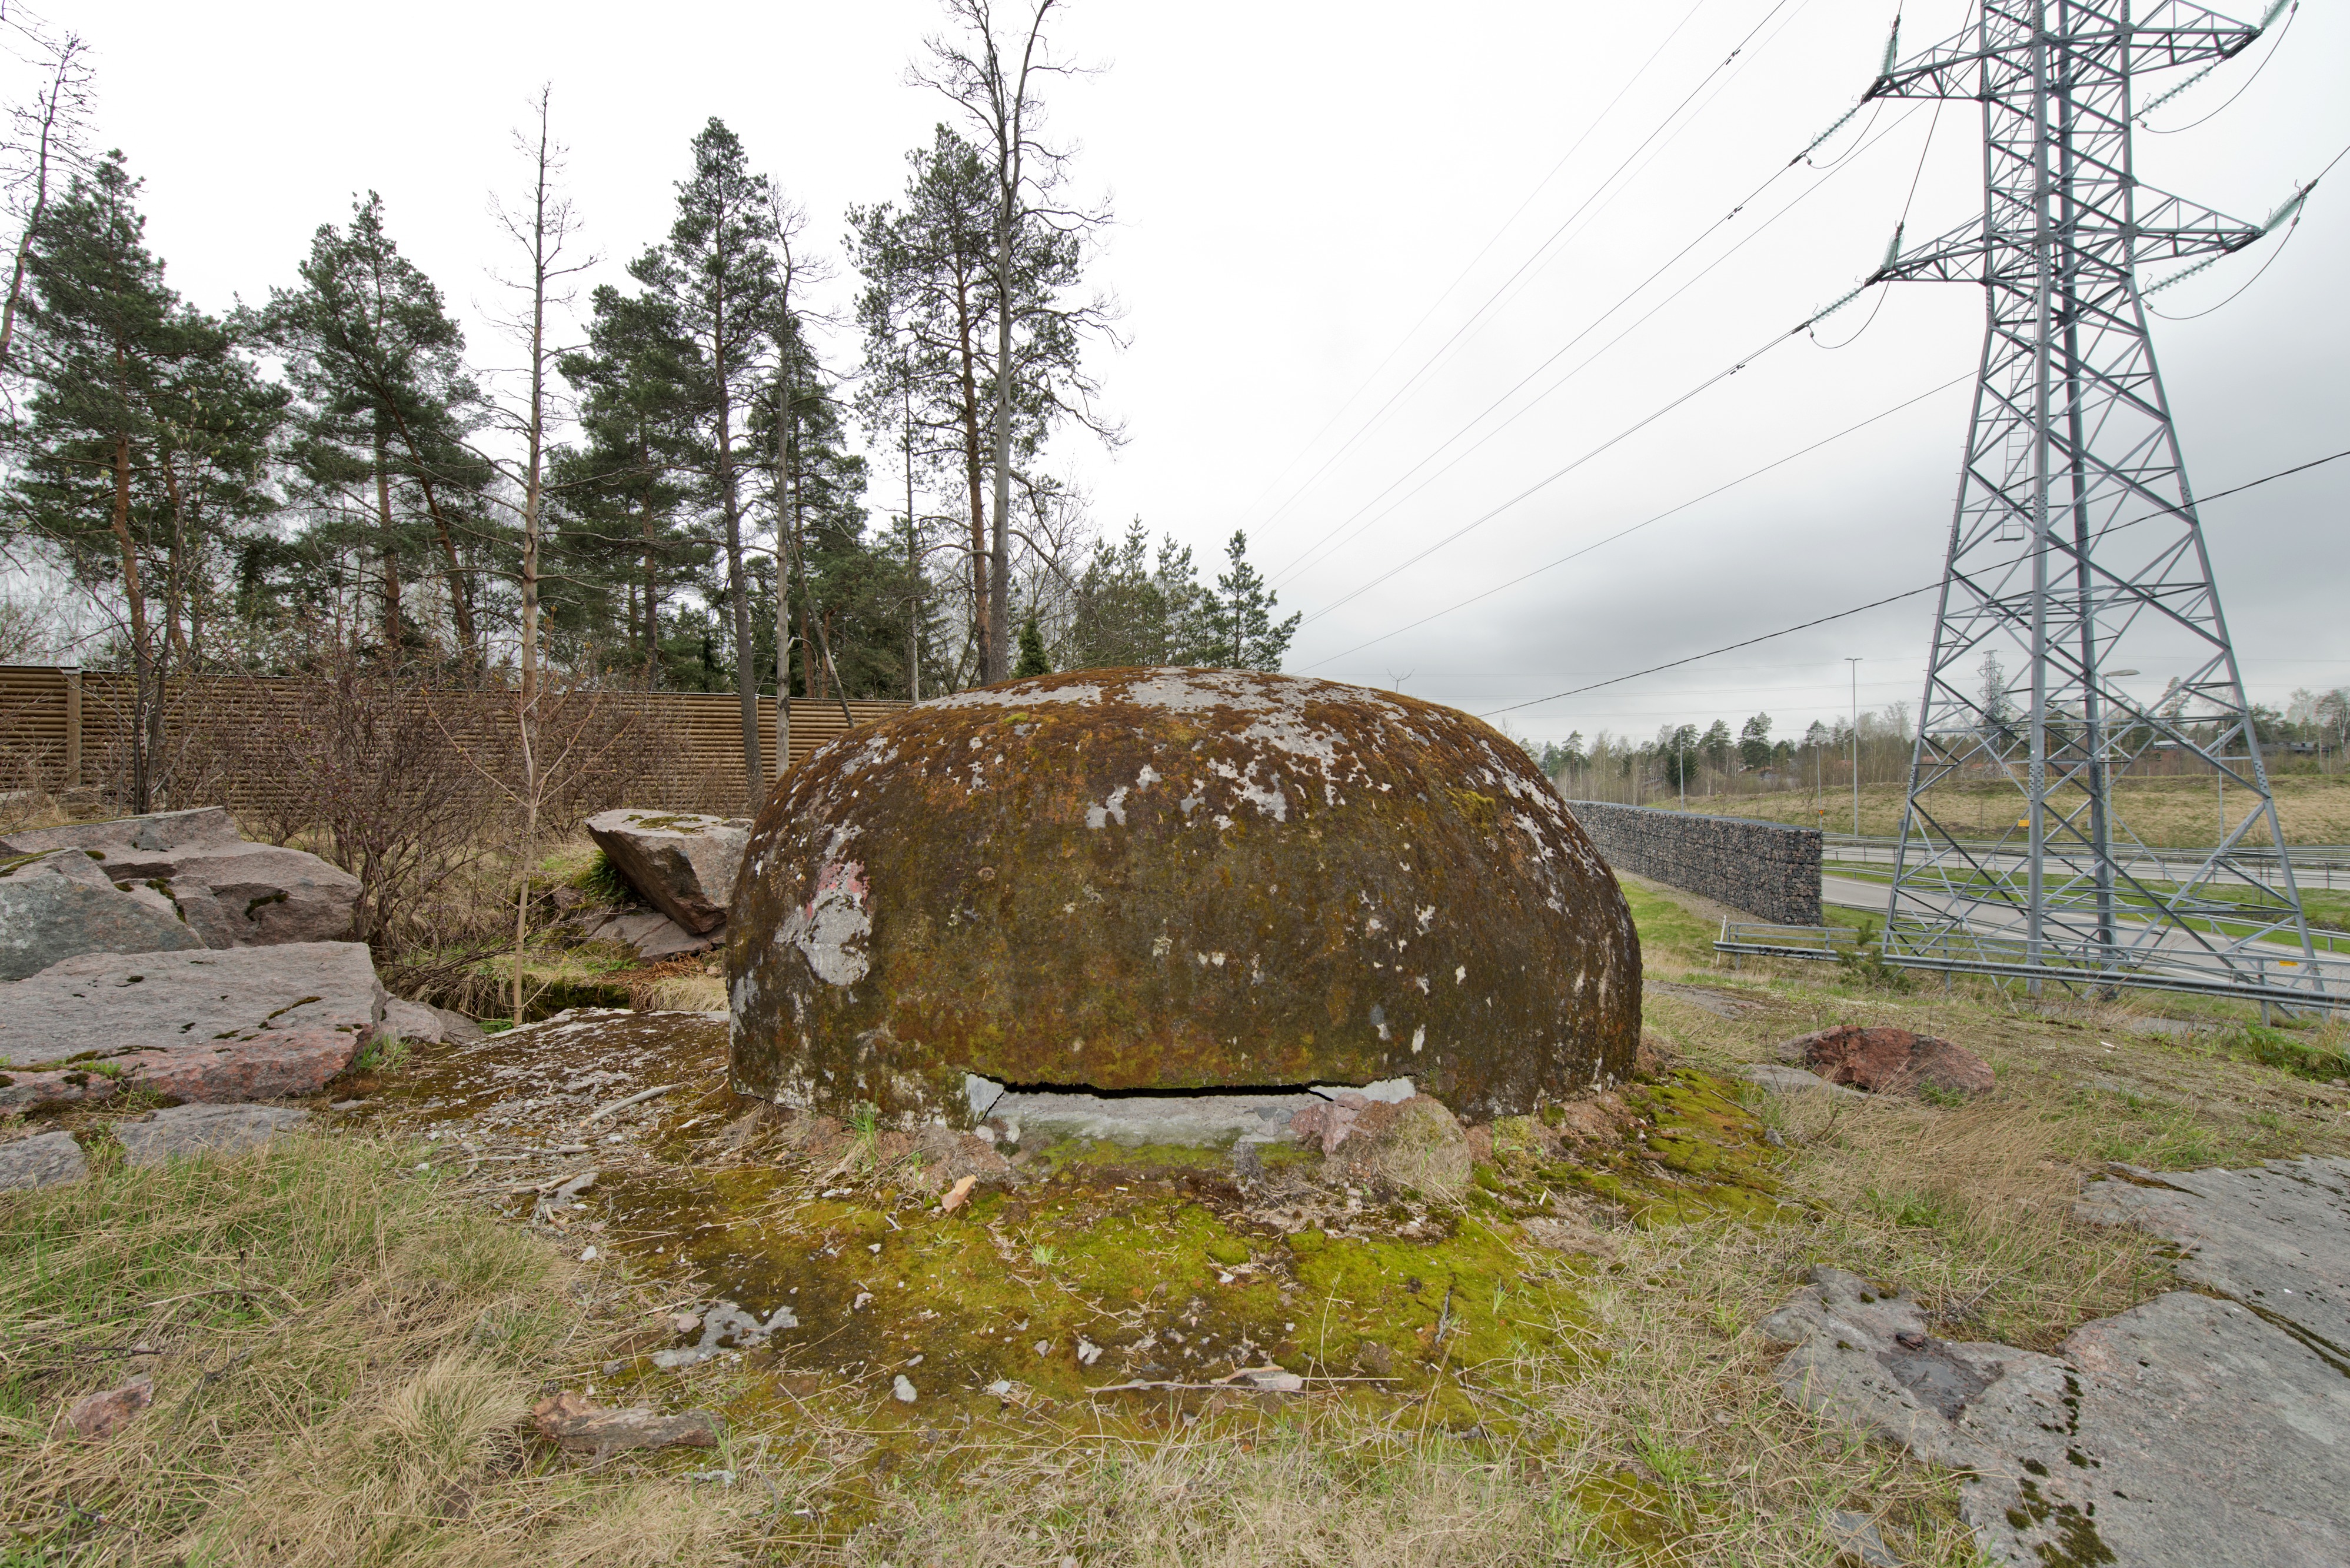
[[1764, 869]]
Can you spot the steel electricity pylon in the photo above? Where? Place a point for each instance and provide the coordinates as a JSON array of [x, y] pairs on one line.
[[2077, 578]]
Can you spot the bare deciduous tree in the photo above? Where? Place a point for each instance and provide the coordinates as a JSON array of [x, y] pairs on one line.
[[541, 227], [993, 72], [44, 136]]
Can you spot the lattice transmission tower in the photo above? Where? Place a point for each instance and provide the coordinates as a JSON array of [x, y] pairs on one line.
[[2078, 576]]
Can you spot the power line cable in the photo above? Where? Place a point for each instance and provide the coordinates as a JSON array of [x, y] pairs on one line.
[[1622, 532], [1478, 315], [1895, 598], [1620, 436], [1540, 186], [1334, 537]]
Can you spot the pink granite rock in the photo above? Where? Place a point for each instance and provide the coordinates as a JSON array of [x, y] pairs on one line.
[[242, 1024], [1887, 1061]]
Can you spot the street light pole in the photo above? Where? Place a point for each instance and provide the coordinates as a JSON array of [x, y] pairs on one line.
[[1855, 662]]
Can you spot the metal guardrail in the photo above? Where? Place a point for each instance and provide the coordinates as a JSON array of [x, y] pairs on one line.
[[1759, 940], [2326, 865], [2271, 982]]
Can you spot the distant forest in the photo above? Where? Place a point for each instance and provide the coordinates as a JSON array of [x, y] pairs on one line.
[[696, 479]]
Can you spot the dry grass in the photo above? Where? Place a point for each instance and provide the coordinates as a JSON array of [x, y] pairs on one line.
[[342, 1364]]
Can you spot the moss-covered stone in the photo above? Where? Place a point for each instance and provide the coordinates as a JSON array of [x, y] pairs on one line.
[[1175, 878]]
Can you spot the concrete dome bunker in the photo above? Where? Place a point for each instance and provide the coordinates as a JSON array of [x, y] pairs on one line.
[[1174, 879]]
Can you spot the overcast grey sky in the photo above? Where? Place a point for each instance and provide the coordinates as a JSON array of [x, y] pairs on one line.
[[1316, 201]]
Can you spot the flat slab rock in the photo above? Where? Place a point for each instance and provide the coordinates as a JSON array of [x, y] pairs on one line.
[[44, 1159], [156, 830], [2275, 1238], [1784, 1080], [246, 1023], [186, 1132], [653, 935], [169, 880], [2182, 1433]]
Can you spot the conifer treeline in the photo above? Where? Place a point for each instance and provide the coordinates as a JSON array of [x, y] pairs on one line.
[[322, 469]]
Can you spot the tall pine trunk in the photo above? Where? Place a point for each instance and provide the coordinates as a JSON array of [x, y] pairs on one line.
[[738, 600], [999, 601], [387, 549], [975, 475], [146, 707]]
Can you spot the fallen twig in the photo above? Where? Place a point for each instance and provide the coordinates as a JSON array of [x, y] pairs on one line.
[[1238, 1381], [638, 1098]]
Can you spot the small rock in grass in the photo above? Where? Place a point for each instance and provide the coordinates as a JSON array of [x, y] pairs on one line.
[[185, 1132], [98, 1416], [958, 1194], [42, 1160], [1888, 1061], [1856, 1540], [902, 1390], [1271, 1379], [577, 1422], [1327, 1121], [1566, 1235], [1783, 1080], [1088, 1351]]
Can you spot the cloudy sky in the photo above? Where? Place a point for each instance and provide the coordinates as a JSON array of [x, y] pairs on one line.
[[1345, 234]]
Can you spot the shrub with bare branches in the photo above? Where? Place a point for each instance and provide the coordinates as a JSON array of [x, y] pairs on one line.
[[360, 767]]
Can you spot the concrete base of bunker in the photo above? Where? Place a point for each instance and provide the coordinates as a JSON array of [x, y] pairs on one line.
[[1175, 879], [1201, 1119]]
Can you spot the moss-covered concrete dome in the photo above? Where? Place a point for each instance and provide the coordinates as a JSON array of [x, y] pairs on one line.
[[1175, 878]]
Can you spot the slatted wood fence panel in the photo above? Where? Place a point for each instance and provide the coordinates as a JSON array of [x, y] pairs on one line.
[[700, 763]]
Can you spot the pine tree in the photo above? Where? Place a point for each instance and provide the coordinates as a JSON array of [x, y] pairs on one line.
[[1243, 634], [1128, 611], [717, 277], [385, 406], [624, 541], [851, 607], [141, 463], [936, 313], [1032, 652], [1755, 742], [1716, 746]]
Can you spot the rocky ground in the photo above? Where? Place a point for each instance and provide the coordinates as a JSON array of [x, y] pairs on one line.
[[1848, 1274]]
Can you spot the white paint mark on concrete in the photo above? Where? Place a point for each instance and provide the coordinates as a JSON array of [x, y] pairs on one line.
[[831, 928]]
